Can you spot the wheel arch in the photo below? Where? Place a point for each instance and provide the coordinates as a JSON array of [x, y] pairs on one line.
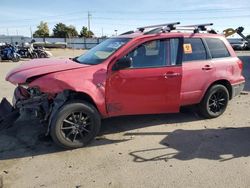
[[82, 96], [223, 82], [67, 96]]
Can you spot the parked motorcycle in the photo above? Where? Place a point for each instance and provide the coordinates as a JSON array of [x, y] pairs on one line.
[[27, 52], [41, 52], [9, 52]]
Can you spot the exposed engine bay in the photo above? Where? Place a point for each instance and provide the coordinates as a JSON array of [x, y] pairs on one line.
[[32, 101]]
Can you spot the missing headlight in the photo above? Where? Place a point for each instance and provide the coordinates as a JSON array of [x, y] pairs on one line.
[[34, 91]]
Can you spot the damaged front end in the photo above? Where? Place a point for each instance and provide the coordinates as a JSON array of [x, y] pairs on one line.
[[8, 114], [33, 102]]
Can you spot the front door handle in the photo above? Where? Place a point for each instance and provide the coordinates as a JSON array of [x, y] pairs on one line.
[[207, 67], [171, 74]]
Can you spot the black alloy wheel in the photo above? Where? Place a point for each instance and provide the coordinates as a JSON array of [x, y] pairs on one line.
[[75, 125], [215, 102]]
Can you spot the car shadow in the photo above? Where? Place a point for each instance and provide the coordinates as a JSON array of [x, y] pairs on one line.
[[212, 144], [26, 137]]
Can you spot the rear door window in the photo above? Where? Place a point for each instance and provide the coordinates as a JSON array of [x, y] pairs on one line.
[[217, 48], [193, 50]]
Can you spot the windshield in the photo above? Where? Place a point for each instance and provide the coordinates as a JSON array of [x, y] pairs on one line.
[[102, 51]]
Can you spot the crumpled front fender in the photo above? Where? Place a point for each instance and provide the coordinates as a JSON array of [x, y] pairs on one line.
[[93, 86]]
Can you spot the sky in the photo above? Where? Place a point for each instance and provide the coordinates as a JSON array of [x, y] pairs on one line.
[[22, 17]]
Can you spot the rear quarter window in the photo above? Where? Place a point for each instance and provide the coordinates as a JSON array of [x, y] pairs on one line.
[[217, 48]]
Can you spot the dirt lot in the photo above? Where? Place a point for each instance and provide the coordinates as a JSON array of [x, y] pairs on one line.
[[176, 150]]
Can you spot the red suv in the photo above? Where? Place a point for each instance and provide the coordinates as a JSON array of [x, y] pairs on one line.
[[139, 72]]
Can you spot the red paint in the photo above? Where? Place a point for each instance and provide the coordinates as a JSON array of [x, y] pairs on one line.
[[38, 67], [143, 91], [132, 91]]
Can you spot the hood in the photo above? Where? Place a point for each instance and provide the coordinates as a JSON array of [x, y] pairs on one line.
[[38, 67]]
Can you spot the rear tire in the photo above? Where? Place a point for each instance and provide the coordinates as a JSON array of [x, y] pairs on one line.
[[215, 102], [75, 125], [42, 55]]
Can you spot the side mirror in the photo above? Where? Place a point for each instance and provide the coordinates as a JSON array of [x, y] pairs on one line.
[[122, 63]]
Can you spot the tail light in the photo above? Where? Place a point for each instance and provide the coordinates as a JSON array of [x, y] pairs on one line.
[[240, 64]]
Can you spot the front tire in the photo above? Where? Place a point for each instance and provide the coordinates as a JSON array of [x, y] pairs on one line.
[[75, 125], [15, 58], [215, 102]]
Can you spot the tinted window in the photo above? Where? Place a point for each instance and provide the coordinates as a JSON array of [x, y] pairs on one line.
[[156, 53], [193, 49], [217, 48]]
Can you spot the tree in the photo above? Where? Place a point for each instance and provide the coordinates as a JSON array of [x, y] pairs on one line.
[[42, 30], [248, 37], [72, 32], [63, 31], [85, 33]]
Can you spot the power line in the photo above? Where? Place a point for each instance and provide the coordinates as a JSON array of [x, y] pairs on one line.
[[133, 19], [184, 11], [190, 11], [42, 17], [150, 18]]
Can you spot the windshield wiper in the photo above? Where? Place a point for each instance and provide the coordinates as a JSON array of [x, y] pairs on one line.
[[75, 59]]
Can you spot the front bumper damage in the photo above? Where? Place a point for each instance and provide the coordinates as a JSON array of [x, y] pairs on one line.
[[31, 101], [8, 114]]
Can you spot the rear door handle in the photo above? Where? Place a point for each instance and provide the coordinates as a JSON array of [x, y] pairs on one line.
[[171, 74], [207, 67]]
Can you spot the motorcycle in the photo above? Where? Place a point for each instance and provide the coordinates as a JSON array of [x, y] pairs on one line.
[[41, 52], [9, 52], [27, 52]]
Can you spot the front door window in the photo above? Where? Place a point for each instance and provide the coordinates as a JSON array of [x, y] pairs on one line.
[[156, 53]]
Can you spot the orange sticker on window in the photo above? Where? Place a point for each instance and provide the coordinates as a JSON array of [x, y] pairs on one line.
[[187, 48]]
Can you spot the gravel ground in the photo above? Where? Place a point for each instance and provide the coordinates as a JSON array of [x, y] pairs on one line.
[[174, 150]]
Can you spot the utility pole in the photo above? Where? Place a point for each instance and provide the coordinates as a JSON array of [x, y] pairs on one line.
[[31, 33], [7, 31], [89, 15]]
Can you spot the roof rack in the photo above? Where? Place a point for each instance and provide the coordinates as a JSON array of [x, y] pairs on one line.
[[127, 33], [167, 26], [198, 27]]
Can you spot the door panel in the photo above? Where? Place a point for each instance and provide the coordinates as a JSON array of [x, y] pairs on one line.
[[197, 71], [145, 90], [196, 76]]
